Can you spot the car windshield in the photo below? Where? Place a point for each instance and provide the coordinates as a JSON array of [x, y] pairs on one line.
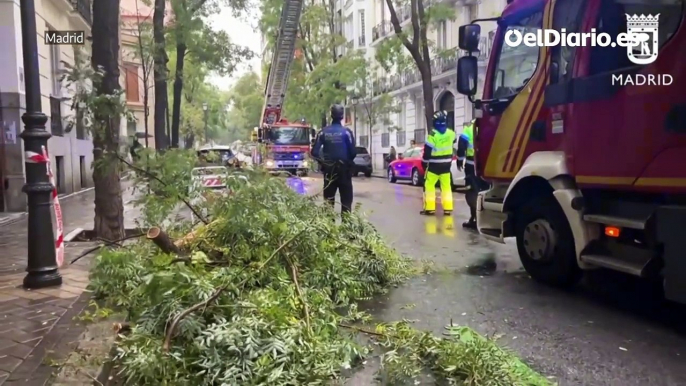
[[214, 156], [361, 150], [516, 65], [289, 135]]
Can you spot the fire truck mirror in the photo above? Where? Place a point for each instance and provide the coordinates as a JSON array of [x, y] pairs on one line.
[[466, 75], [469, 36], [313, 133]]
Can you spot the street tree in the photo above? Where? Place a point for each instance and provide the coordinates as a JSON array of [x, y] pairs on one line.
[[375, 108], [197, 91], [246, 101], [325, 65], [105, 106], [195, 40], [160, 60], [424, 16], [142, 30]]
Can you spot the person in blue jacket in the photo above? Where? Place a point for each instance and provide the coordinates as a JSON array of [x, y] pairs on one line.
[[334, 149]]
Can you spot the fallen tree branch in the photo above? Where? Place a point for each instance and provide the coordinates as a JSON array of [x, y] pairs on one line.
[[359, 329], [175, 322], [162, 240], [91, 250], [154, 177], [299, 291]]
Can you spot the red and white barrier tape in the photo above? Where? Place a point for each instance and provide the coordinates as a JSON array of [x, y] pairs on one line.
[[32, 157]]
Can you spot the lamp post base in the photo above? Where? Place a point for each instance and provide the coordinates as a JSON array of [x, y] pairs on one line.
[[38, 280]]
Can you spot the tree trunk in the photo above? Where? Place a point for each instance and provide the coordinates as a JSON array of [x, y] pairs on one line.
[[419, 50], [167, 119], [178, 88], [190, 138], [428, 93], [160, 75], [109, 208]]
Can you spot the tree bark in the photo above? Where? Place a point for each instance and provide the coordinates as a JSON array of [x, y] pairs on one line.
[[419, 50], [178, 88], [160, 75], [190, 139], [109, 208]]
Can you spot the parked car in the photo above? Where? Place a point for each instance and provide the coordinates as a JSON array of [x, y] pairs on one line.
[[408, 167], [363, 162]]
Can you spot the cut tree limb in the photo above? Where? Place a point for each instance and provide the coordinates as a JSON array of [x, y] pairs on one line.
[[162, 240]]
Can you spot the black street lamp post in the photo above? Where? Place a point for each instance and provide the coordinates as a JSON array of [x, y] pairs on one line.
[[42, 265]]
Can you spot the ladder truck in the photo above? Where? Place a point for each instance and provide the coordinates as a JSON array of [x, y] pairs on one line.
[[284, 146], [586, 161]]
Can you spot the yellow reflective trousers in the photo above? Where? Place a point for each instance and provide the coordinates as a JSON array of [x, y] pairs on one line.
[[430, 180]]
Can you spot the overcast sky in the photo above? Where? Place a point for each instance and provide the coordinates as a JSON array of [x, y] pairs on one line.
[[242, 31]]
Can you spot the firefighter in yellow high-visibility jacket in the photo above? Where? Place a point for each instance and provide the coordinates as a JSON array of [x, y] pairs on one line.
[[438, 156]]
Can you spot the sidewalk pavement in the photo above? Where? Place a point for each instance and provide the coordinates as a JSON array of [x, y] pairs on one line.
[[36, 324]]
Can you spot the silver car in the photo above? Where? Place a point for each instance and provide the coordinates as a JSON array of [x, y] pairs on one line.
[[363, 162]]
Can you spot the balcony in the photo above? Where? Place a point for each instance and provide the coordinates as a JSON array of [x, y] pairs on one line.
[[382, 29], [439, 66], [404, 13], [83, 9]]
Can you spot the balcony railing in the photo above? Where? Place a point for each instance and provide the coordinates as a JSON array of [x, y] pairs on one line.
[[362, 41], [84, 8], [439, 66], [404, 13]]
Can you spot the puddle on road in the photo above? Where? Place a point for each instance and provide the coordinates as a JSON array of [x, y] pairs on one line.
[[487, 266]]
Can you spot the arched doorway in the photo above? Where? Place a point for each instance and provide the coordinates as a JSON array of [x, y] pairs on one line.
[[447, 103]]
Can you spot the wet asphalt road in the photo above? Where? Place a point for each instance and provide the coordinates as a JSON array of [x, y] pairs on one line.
[[612, 330]]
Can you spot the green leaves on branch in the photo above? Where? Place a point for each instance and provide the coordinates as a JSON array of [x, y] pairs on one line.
[[463, 358], [266, 294], [285, 268]]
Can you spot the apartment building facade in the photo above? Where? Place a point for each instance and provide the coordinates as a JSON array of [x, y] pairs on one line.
[[70, 147], [136, 70], [406, 88]]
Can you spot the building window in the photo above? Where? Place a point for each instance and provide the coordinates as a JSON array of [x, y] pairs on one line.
[[82, 169], [400, 137], [130, 128], [80, 124], [56, 117], [55, 70], [472, 12], [419, 135], [385, 140], [132, 90], [363, 29], [59, 174], [364, 141], [442, 35]]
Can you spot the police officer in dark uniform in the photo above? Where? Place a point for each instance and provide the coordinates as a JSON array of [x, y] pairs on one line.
[[334, 149]]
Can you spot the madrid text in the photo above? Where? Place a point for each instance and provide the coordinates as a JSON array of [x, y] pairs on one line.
[[642, 80], [65, 37]]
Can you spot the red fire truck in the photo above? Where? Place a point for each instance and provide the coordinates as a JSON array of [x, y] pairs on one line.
[[586, 160], [285, 146]]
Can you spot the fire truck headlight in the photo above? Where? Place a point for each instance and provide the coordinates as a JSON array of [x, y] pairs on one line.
[[306, 164], [269, 163]]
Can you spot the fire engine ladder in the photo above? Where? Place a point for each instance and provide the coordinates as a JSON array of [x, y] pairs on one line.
[[279, 70]]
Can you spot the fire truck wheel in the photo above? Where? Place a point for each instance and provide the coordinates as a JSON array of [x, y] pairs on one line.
[[545, 243]]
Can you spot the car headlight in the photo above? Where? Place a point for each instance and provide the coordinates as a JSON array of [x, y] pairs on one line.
[[306, 164]]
